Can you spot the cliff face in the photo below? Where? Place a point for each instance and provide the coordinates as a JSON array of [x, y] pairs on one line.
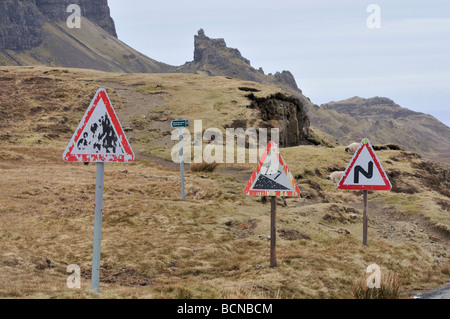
[[21, 21], [20, 25], [290, 115], [95, 10]]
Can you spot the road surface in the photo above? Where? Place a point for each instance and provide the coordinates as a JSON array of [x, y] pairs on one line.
[[443, 293]]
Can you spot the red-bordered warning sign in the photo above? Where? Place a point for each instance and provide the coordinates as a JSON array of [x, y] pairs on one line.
[[365, 171], [272, 176], [99, 136]]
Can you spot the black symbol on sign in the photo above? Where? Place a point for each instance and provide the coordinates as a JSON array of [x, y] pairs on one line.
[[279, 173], [83, 142], [264, 183], [359, 169], [101, 137]]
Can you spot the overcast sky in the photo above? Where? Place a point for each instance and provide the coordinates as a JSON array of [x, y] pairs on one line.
[[326, 44]]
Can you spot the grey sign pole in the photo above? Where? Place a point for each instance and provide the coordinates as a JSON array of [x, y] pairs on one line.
[[180, 123], [180, 131], [97, 227]]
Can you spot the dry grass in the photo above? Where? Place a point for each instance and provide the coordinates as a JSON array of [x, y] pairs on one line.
[[389, 288], [155, 246]]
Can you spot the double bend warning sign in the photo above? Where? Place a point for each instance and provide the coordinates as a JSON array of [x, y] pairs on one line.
[[365, 171]]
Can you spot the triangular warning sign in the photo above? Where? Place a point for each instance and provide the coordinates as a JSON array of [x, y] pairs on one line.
[[272, 176], [365, 171], [99, 136]]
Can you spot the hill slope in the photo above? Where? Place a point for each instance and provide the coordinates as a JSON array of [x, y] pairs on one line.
[[387, 122], [214, 244]]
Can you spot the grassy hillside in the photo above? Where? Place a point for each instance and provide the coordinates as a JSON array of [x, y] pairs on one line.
[[215, 243], [388, 122]]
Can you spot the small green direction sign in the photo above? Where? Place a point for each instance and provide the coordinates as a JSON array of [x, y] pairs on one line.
[[179, 123]]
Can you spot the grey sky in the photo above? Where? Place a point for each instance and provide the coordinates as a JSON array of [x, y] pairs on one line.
[[326, 44]]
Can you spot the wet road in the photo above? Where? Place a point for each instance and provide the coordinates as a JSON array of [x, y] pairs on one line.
[[443, 293]]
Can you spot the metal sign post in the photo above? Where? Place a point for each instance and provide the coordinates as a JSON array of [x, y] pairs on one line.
[[180, 123], [272, 178], [180, 131], [97, 227], [99, 139]]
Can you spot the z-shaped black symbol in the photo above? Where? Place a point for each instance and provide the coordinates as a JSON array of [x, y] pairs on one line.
[[359, 169]]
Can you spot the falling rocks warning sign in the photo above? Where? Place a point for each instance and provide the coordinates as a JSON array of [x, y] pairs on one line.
[[99, 136], [272, 176]]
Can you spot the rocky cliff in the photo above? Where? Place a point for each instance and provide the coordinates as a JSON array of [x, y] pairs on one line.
[[95, 10], [20, 25], [289, 114], [21, 22]]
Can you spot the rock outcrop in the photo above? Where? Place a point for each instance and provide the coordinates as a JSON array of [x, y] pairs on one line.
[[214, 51], [289, 114], [213, 57], [286, 77]]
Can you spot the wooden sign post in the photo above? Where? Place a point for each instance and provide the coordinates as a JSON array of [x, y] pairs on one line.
[[365, 216], [273, 231]]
